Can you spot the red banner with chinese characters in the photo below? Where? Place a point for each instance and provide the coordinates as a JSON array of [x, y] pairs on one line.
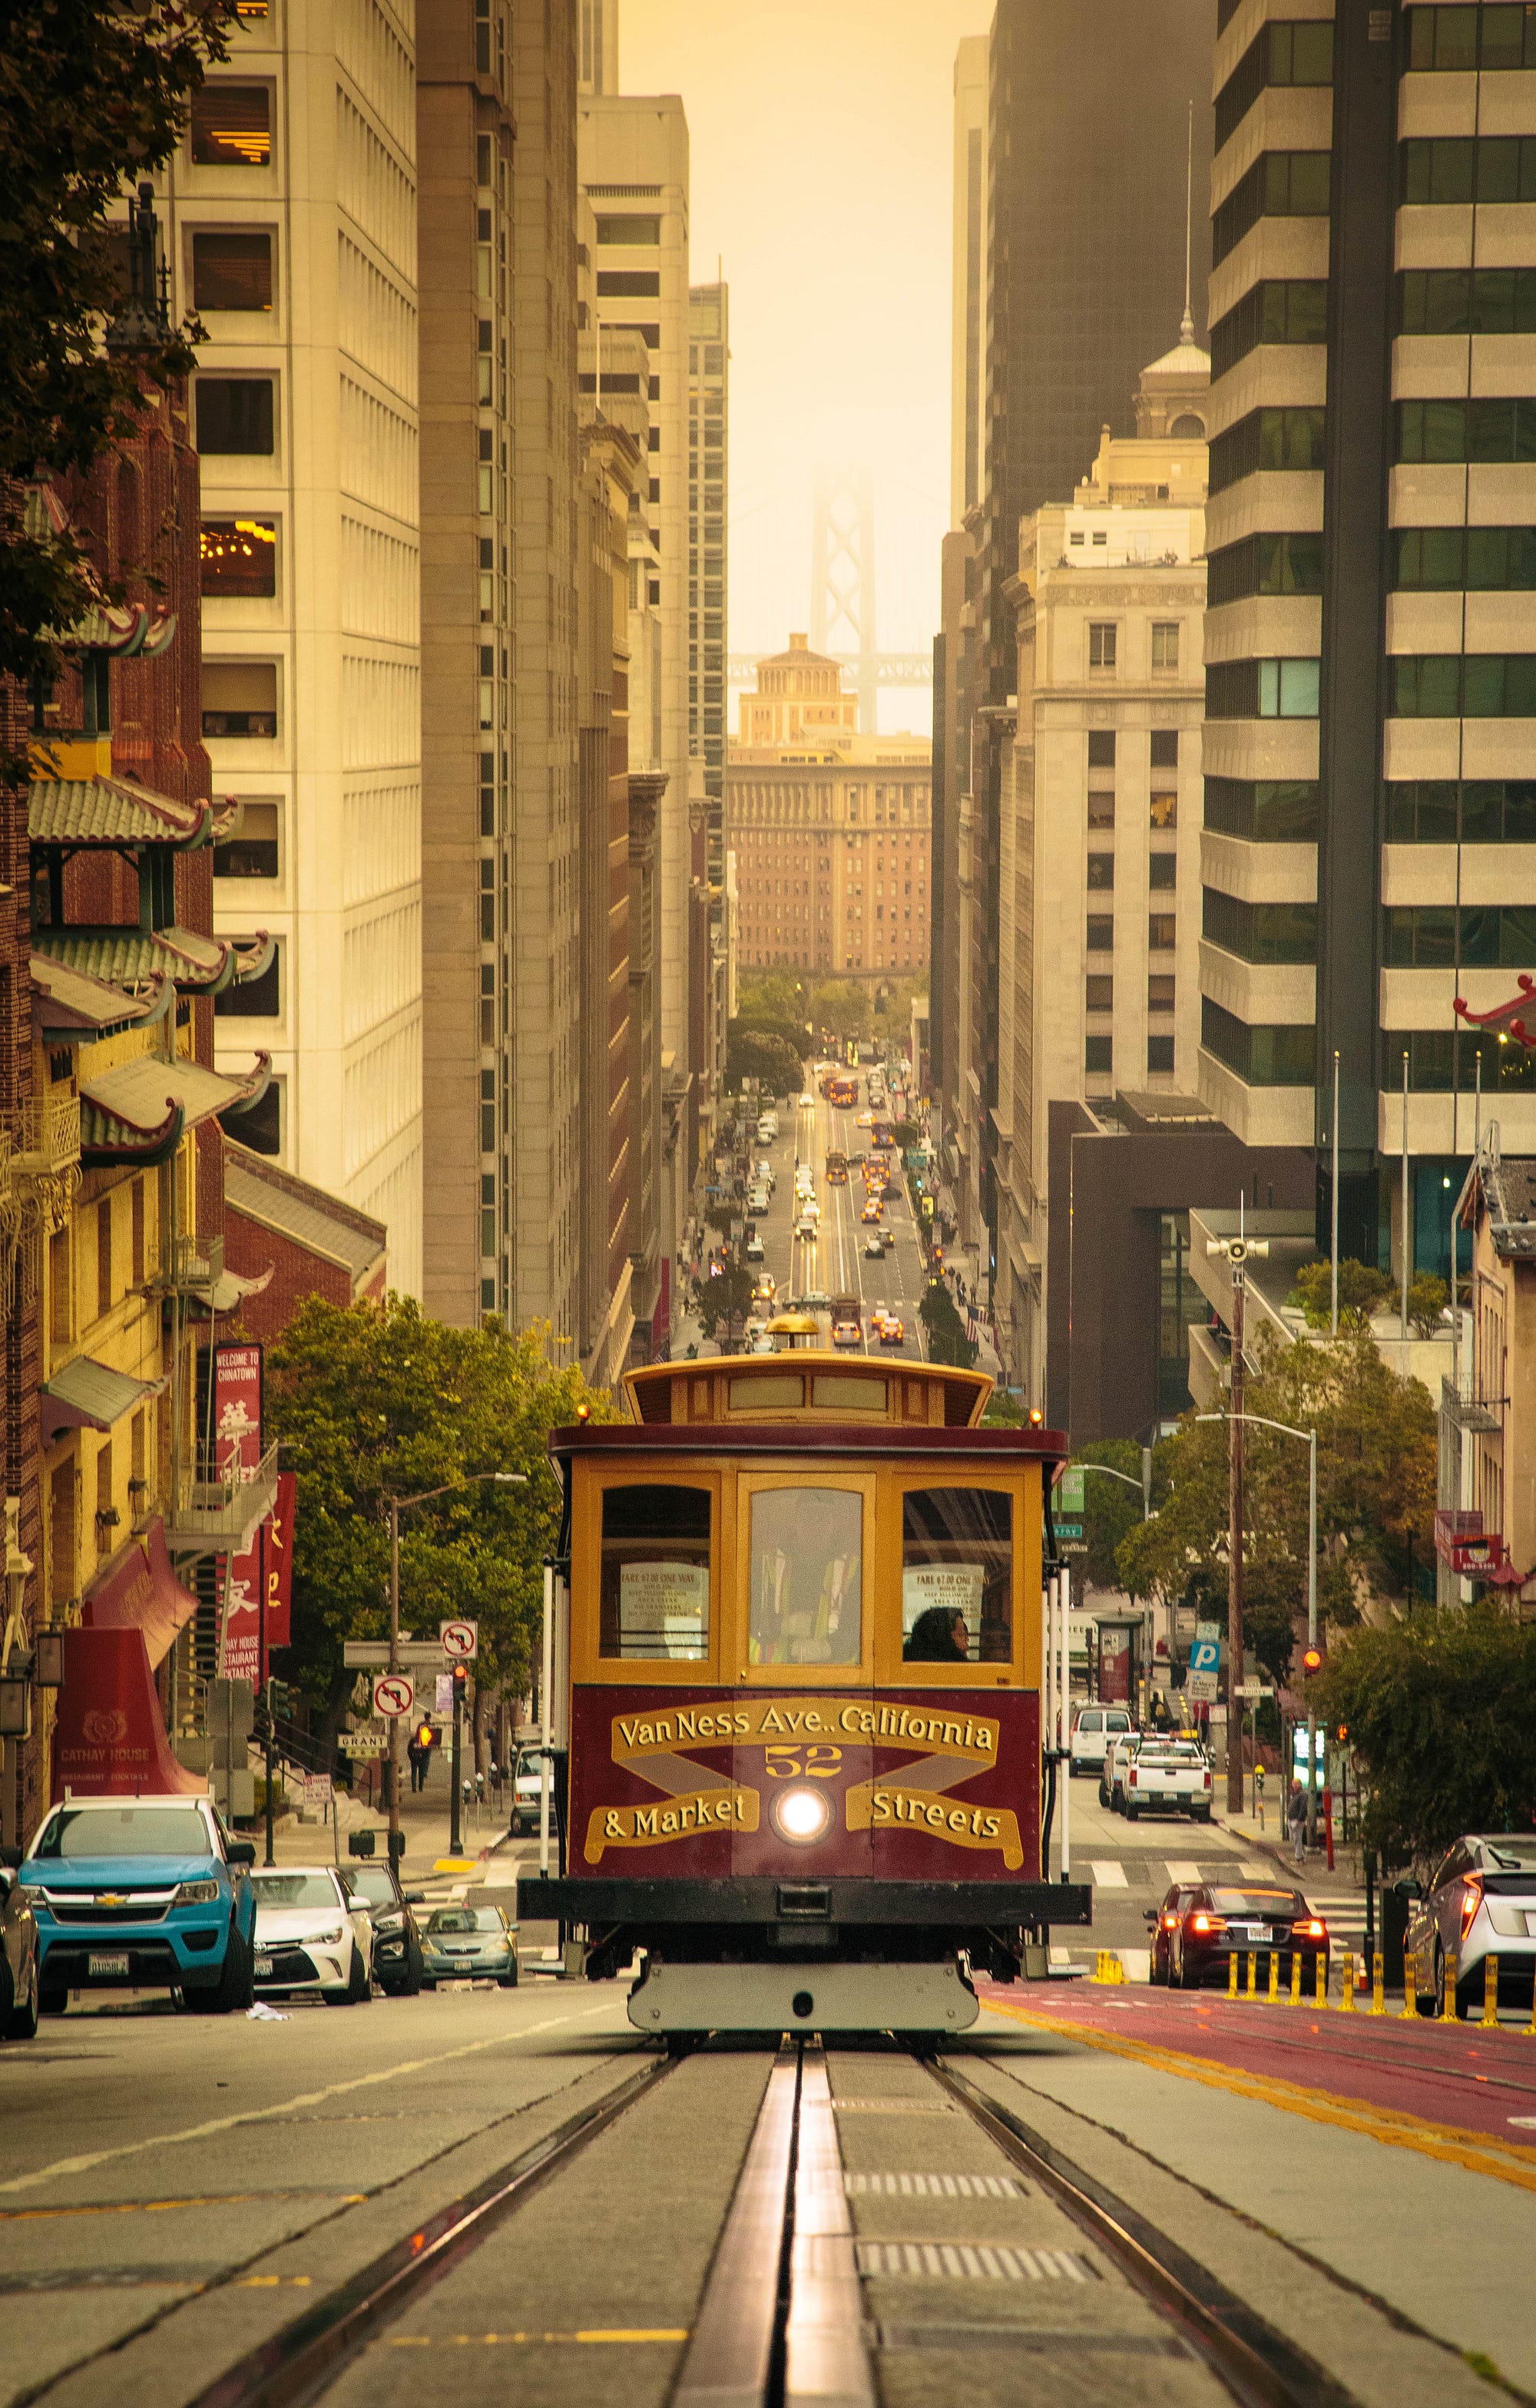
[[267, 1559], [237, 1411]]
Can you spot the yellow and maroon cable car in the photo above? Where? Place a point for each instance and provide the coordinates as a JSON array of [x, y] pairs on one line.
[[798, 1680]]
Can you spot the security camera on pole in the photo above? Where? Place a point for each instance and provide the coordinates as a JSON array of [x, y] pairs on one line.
[[1238, 1250]]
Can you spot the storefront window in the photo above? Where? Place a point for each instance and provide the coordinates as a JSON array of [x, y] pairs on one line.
[[655, 1592], [806, 1576], [956, 1576]]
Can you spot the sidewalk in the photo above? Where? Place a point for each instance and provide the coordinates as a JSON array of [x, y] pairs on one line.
[[1272, 1839], [425, 1819]]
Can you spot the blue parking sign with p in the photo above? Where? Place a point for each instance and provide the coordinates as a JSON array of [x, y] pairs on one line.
[[1204, 1655]]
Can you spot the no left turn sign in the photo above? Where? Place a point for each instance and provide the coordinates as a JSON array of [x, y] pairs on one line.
[[460, 1640], [393, 1694]]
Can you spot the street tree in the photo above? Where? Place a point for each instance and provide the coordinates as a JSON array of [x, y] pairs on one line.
[[371, 1402], [1437, 1709], [944, 1329], [841, 1007], [1376, 1474], [92, 95], [751, 1054], [756, 1021], [725, 1296], [1362, 1291]]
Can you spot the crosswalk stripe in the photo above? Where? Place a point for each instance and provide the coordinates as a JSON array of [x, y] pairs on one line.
[[1178, 1871], [1108, 1874]]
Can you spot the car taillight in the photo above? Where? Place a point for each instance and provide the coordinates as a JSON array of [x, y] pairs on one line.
[[1201, 1923], [1313, 1931], [1208, 1780], [1171, 1922], [1471, 1898], [1133, 1776]]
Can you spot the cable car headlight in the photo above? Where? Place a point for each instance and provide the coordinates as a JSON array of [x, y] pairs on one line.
[[802, 1815]]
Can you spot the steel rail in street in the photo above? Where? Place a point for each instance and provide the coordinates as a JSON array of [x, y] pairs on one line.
[[304, 2357], [1259, 2366]]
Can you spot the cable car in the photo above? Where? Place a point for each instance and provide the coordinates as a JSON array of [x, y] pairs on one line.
[[794, 1684]]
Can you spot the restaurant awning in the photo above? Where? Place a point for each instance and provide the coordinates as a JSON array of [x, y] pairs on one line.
[[142, 1593], [87, 1395]]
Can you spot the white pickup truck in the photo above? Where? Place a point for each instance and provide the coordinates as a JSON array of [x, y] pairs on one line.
[[1169, 1776]]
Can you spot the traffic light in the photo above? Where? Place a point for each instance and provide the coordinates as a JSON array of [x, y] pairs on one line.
[[1312, 1660], [277, 1697], [1343, 1733], [461, 1682], [260, 1719]]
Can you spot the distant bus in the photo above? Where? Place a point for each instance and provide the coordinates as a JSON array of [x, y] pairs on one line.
[[842, 1093]]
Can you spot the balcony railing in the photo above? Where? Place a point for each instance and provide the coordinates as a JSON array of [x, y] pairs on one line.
[[1479, 1414], [218, 1515], [47, 1137]]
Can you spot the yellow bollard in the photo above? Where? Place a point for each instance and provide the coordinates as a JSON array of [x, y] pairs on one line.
[[1321, 1969], [1530, 2027], [1252, 1972], [1447, 2004], [1410, 1984], [1232, 1974], [1296, 1977], [1490, 1994], [1378, 1984], [1274, 1974], [1346, 2003]]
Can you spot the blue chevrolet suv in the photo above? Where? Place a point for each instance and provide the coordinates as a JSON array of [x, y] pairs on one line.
[[143, 1893]]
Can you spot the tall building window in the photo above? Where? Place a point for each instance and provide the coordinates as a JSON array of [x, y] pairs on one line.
[[234, 414], [1165, 643], [1099, 1055], [232, 271], [238, 559], [232, 125], [1103, 637]]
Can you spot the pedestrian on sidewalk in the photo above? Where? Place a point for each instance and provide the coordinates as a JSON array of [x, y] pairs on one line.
[[1295, 1818]]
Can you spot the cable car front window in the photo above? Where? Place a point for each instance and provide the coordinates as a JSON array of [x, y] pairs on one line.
[[806, 1576], [956, 1576], [655, 1599]]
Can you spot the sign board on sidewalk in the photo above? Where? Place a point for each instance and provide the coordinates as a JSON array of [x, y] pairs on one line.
[[1205, 1655], [364, 1742], [1214, 1631], [460, 1640], [317, 1789], [1253, 1689], [1201, 1688], [393, 1694]]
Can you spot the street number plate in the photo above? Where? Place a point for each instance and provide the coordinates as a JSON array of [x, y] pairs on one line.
[[264, 1968], [103, 1968]]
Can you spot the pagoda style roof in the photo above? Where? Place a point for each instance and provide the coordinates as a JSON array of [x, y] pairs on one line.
[[140, 1111], [70, 1003], [195, 965], [82, 813]]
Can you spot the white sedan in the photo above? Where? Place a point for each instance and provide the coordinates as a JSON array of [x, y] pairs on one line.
[[312, 1937]]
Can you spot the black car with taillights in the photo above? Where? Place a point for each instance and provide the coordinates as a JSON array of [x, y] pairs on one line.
[[1217, 1923]]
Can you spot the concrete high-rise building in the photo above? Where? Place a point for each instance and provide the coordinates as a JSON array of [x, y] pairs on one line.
[[1100, 845], [1088, 149], [968, 280], [634, 171], [466, 154], [829, 830], [291, 215], [1369, 752], [708, 541], [597, 67]]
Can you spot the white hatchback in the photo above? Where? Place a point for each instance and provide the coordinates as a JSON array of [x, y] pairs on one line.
[[312, 1935]]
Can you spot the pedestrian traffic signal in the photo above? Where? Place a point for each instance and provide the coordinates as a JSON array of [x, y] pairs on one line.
[[1312, 1660], [1343, 1733], [426, 1735]]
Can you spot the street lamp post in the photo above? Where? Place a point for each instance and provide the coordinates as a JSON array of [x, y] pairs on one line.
[[397, 1505], [1308, 1437]]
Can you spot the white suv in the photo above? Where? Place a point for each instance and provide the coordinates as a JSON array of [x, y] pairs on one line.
[[1092, 1732]]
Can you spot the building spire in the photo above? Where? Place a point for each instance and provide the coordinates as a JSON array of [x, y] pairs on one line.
[[1187, 324]]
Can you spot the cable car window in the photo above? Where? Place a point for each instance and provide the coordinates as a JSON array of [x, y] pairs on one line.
[[956, 1576], [655, 1594], [806, 1576]]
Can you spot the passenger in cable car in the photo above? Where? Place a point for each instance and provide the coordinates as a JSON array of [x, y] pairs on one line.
[[939, 1636]]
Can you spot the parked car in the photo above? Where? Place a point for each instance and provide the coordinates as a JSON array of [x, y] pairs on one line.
[[469, 1941], [1218, 1923], [816, 1299], [21, 1978], [1479, 1901], [756, 1249], [1162, 1922], [765, 1175], [312, 1935], [873, 1246], [1119, 1757], [526, 1790], [396, 1926], [143, 1893], [1169, 1776], [1095, 1726]]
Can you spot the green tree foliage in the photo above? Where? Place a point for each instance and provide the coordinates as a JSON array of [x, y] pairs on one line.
[[92, 95], [1003, 1411], [750, 1053], [1439, 1710], [841, 1007], [724, 1297], [1362, 1291], [1428, 1299], [1375, 1494], [1110, 1511], [755, 1020], [944, 1329], [372, 1402]]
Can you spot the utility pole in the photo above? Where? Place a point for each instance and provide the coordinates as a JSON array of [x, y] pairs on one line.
[[394, 1665], [1234, 1552], [267, 1747], [455, 1833]]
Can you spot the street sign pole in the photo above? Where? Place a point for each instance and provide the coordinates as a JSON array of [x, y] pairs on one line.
[[266, 1678], [1234, 1549], [394, 1665], [1312, 1638], [456, 1836]]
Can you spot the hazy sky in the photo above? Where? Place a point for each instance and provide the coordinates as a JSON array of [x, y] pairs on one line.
[[820, 134]]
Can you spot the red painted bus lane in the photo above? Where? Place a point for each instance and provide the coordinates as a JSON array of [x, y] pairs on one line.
[[1449, 2091]]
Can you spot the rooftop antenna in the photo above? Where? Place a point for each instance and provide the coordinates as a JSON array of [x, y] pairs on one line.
[[1187, 324]]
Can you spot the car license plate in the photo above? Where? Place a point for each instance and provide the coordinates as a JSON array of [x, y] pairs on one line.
[[264, 1968], [1254, 1930], [103, 1968]]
